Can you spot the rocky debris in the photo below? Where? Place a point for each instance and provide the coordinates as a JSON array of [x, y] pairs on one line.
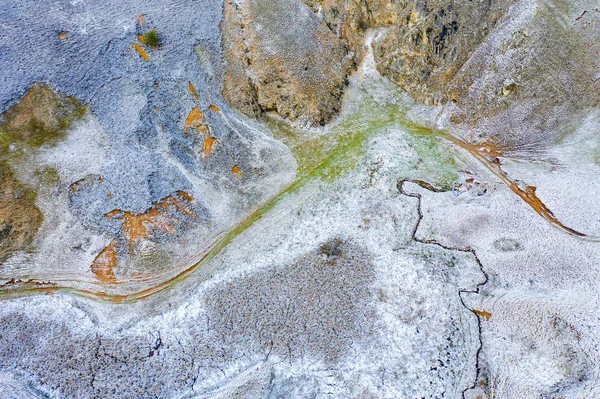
[[431, 42], [511, 73], [279, 57]]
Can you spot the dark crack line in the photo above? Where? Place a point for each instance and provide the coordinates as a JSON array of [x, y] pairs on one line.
[[470, 250]]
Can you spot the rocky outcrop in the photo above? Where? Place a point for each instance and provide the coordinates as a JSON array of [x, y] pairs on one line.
[[423, 44], [460, 54], [40, 118], [432, 40], [280, 57], [20, 219], [533, 79], [512, 73]]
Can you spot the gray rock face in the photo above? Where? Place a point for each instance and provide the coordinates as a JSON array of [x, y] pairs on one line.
[[159, 156]]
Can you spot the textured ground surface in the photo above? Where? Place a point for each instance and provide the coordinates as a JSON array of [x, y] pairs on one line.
[[250, 199]]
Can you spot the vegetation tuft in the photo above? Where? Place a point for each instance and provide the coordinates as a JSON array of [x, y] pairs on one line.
[[151, 38]]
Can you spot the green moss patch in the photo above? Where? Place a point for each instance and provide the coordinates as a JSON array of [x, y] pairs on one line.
[[151, 39], [331, 155], [41, 117]]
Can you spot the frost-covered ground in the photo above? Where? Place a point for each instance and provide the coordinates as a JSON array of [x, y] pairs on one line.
[[540, 330], [141, 139], [326, 295], [383, 260]]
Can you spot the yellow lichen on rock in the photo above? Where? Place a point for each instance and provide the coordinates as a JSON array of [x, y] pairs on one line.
[[192, 90], [141, 51]]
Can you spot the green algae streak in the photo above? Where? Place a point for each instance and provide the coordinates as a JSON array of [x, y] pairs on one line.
[[324, 156]]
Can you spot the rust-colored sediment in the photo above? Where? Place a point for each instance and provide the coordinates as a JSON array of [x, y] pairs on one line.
[[141, 51], [105, 263], [138, 226], [195, 119], [192, 90], [489, 156], [209, 143], [482, 313], [158, 218], [214, 108]]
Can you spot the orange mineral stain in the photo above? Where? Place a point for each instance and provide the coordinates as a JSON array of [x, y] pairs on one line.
[[482, 313], [157, 218], [237, 172], [85, 182], [195, 119], [138, 226], [209, 143], [141, 51], [104, 264], [193, 90], [214, 108], [62, 35], [489, 156], [113, 213]]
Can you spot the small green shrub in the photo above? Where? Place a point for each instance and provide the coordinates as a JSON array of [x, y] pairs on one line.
[[151, 38]]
